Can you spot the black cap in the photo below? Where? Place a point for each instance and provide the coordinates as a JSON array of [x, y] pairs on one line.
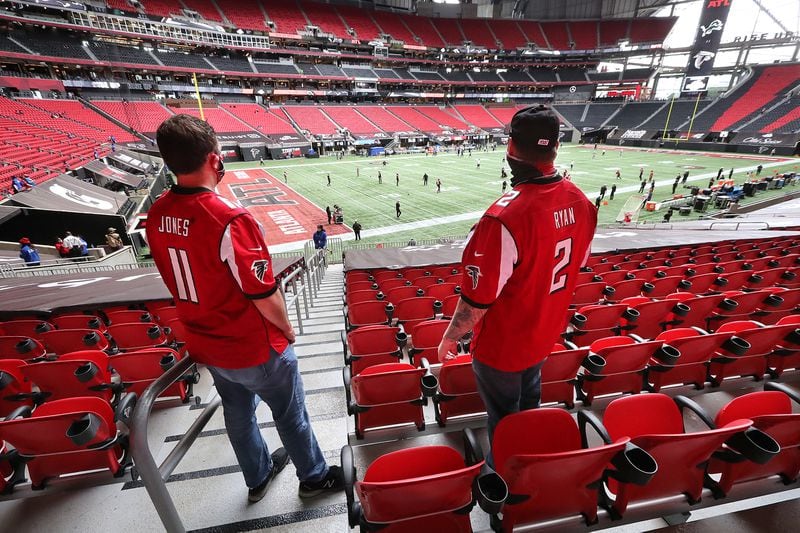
[[535, 128]]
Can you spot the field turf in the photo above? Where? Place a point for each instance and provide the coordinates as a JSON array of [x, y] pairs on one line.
[[467, 190]]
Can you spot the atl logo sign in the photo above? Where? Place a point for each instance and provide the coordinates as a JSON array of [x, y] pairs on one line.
[[718, 3]]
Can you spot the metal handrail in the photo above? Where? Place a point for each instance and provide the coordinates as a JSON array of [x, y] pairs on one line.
[[154, 476], [294, 299]]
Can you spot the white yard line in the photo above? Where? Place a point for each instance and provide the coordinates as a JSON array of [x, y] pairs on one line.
[[474, 215]]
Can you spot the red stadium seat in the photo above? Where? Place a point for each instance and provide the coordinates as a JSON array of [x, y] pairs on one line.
[[425, 341], [655, 316], [787, 353], [458, 392], [667, 285], [138, 335], [401, 293], [361, 286], [428, 488], [387, 395], [25, 328], [654, 423], [68, 436], [449, 305], [354, 276], [559, 373], [412, 311], [790, 304], [355, 297], [61, 341], [392, 283], [25, 348], [440, 291], [771, 412], [594, 322], [128, 316], [763, 341], [625, 363], [138, 369], [372, 345], [385, 275], [700, 308], [15, 390], [629, 287], [72, 375], [427, 281], [79, 322], [697, 348], [591, 293], [366, 314], [550, 469]]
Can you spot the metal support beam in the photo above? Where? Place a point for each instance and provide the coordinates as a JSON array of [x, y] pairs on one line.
[[770, 15]]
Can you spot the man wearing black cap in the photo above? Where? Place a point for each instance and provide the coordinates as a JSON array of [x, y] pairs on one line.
[[520, 268]]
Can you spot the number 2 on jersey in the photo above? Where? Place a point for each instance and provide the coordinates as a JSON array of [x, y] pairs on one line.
[[563, 253], [184, 280]]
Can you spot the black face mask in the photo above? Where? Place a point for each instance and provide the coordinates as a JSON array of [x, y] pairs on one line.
[[220, 170], [522, 172]]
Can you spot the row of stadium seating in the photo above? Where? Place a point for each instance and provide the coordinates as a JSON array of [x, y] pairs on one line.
[[646, 453], [350, 23]]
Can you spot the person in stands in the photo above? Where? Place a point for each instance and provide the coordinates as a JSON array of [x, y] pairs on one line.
[[521, 264], [28, 253], [213, 258], [320, 238], [113, 240]]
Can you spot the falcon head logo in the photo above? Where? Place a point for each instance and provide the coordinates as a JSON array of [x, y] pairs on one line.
[[474, 273], [701, 57], [259, 269]]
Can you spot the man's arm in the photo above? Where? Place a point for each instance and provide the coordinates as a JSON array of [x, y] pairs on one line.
[[273, 308], [464, 319]]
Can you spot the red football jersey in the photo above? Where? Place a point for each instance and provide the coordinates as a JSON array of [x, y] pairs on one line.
[[212, 256], [521, 262]]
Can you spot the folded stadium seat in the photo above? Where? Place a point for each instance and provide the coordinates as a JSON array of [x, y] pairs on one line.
[[425, 341], [413, 311], [697, 348], [15, 347], [591, 293], [361, 286], [69, 436], [61, 341], [388, 394], [72, 375], [654, 317], [357, 275], [735, 280], [763, 341], [15, 390], [164, 314], [706, 283], [552, 472], [401, 293], [593, 322], [792, 278], [690, 270], [771, 412], [667, 285], [355, 297], [426, 488], [654, 422], [602, 268], [138, 335], [366, 314], [453, 278], [629, 287], [627, 266], [138, 369], [625, 359], [392, 283], [609, 278], [774, 311], [384, 275], [414, 273], [79, 322], [372, 345], [25, 328], [559, 373], [787, 353], [763, 279], [645, 255], [427, 281], [156, 305], [128, 316], [701, 307], [747, 303], [449, 305], [458, 393], [440, 291], [444, 271]]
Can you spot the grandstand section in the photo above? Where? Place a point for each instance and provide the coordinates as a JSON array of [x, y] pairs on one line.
[[312, 119]]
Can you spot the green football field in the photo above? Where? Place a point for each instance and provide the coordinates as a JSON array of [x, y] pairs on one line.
[[467, 190]]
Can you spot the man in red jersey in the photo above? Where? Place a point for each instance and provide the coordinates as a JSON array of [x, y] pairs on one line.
[[212, 256], [520, 267]]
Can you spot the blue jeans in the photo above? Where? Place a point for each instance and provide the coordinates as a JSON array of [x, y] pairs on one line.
[[505, 393], [278, 383]]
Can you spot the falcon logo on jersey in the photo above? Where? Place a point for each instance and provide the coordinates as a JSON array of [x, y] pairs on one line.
[[259, 268], [474, 273]]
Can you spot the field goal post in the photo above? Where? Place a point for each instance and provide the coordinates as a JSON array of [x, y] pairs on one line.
[[629, 214]]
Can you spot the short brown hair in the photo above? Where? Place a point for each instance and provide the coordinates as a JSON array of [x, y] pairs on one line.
[[184, 142]]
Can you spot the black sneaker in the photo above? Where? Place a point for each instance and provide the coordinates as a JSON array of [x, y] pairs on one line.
[[331, 482], [280, 458]]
